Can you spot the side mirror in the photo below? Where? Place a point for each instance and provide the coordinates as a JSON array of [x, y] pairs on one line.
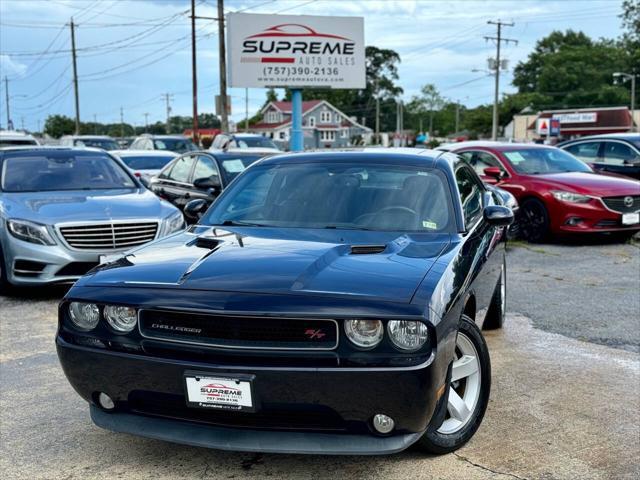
[[206, 183], [493, 172], [498, 215], [194, 209]]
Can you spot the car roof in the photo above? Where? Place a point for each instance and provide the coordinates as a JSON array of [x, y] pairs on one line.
[[500, 146], [632, 137], [148, 135], [392, 156], [102, 137], [144, 153], [247, 135], [35, 149], [470, 143], [15, 135]]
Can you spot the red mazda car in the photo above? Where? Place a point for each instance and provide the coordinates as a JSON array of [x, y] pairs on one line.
[[557, 193]]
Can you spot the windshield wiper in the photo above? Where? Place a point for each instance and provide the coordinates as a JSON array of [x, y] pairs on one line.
[[238, 223], [346, 226]]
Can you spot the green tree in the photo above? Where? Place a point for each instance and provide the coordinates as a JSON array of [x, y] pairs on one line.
[[569, 69], [58, 125]]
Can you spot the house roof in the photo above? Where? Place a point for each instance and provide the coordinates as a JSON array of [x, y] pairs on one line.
[[286, 106]]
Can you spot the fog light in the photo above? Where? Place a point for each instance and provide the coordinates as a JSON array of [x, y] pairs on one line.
[[382, 423], [105, 401], [573, 221]]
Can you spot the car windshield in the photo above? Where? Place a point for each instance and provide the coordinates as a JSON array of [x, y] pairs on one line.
[[537, 161], [178, 145], [337, 195], [146, 162], [255, 142], [54, 171], [103, 143], [234, 165]]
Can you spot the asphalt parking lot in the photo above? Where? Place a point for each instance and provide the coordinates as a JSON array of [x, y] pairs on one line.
[[565, 402]]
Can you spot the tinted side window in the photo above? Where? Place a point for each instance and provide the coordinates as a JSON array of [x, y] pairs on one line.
[[480, 160], [205, 168], [181, 168], [587, 151], [616, 153], [470, 195]]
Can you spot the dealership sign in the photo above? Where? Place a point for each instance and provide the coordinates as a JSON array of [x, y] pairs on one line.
[[586, 117], [295, 51]]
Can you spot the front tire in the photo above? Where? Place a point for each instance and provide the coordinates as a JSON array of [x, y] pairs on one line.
[[468, 394], [534, 221]]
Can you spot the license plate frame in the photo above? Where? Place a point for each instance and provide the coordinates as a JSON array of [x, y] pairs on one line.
[[632, 218], [227, 392]]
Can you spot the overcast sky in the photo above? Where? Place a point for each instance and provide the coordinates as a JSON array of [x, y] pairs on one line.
[[131, 52]]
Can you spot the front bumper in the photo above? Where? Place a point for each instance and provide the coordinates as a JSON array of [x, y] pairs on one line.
[[33, 264], [299, 410], [592, 217]]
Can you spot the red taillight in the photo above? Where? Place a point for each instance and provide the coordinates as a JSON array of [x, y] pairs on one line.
[[138, 174]]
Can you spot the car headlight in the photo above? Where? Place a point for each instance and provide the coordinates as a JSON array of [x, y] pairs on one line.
[[122, 319], [30, 232], [407, 335], [85, 316], [364, 333], [570, 197], [173, 223]]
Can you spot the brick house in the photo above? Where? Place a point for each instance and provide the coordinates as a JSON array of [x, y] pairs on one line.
[[323, 125]]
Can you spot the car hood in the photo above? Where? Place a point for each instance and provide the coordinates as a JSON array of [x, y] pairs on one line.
[[272, 261], [591, 184], [79, 205]]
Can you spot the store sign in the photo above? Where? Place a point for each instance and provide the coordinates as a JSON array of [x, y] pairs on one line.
[[295, 51], [587, 117], [542, 126]]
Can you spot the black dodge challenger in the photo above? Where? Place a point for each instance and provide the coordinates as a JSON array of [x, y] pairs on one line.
[[325, 303]]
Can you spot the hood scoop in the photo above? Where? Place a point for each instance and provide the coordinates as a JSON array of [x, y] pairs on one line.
[[367, 249]]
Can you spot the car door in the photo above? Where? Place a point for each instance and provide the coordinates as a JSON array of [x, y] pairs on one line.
[[205, 167], [482, 239], [620, 157], [173, 184]]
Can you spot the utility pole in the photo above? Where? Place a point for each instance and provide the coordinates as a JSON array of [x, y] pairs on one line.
[[377, 111], [6, 90], [246, 109], [224, 121], [146, 123], [498, 39], [167, 99], [22, 123], [121, 123], [95, 124], [75, 75], [194, 72], [457, 116]]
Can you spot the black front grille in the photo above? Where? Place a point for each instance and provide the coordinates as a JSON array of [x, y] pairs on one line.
[[607, 223], [269, 416], [239, 332], [626, 204]]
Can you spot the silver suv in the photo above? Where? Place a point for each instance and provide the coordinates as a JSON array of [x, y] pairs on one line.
[[63, 210]]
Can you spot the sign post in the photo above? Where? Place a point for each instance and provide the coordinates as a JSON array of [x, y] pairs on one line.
[[295, 51], [297, 140]]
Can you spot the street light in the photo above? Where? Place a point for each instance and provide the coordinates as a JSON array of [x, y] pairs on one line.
[[632, 77]]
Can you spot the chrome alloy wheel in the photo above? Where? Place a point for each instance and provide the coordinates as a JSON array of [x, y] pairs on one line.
[[464, 390]]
